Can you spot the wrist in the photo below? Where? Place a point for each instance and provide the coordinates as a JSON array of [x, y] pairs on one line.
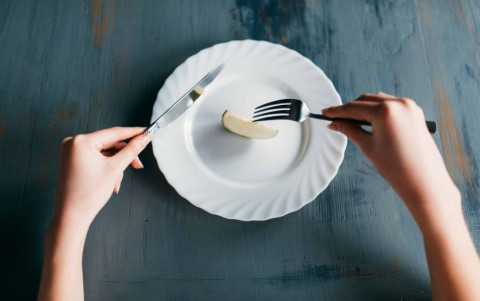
[[65, 226], [70, 214], [436, 210]]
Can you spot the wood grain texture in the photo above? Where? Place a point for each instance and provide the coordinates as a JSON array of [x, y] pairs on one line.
[[76, 66]]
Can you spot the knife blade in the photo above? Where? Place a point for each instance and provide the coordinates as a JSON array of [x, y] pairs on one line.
[[184, 102]]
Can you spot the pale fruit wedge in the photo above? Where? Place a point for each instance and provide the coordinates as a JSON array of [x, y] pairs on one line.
[[246, 128]]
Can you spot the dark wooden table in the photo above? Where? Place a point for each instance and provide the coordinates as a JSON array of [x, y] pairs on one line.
[[69, 67]]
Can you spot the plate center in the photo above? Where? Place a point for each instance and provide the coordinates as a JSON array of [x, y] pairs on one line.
[[234, 157]]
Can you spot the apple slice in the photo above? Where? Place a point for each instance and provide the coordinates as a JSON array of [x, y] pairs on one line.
[[246, 128]]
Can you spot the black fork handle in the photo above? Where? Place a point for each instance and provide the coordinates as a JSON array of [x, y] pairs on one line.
[[431, 125]]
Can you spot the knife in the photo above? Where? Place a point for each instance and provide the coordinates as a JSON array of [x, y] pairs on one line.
[[184, 102]]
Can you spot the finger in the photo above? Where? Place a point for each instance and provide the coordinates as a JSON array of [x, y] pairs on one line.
[[115, 148], [355, 110], [377, 97], [386, 95], [115, 145], [112, 135], [353, 131], [136, 163], [67, 139], [131, 150], [118, 184]]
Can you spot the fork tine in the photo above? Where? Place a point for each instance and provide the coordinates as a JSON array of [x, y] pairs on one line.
[[276, 102], [273, 118], [273, 108], [281, 112]]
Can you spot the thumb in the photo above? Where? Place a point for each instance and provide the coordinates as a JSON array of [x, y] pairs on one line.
[[353, 131], [130, 152]]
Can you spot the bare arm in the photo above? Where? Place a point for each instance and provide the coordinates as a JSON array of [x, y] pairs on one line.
[[91, 168], [405, 154]]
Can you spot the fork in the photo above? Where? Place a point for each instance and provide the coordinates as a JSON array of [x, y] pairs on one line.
[[297, 110]]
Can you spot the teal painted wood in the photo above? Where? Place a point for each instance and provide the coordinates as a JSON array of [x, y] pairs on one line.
[[76, 66]]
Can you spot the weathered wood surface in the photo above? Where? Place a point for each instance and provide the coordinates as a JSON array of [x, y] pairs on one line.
[[76, 66]]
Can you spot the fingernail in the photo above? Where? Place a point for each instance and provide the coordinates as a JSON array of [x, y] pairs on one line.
[[141, 164]]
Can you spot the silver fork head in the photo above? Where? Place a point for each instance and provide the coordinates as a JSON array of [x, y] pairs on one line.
[[289, 109]]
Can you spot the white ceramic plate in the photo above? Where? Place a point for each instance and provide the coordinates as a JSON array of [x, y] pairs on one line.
[[236, 177]]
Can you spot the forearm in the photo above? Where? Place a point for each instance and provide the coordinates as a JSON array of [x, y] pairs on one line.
[[406, 155], [453, 262], [62, 277], [91, 168]]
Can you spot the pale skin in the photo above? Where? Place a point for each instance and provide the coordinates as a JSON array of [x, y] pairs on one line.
[[91, 169], [404, 153], [399, 145]]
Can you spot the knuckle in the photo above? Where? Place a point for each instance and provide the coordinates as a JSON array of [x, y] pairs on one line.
[[78, 140], [344, 109], [409, 103], [343, 128], [385, 108], [135, 148], [411, 106], [348, 107], [388, 110], [420, 111], [340, 127], [336, 109]]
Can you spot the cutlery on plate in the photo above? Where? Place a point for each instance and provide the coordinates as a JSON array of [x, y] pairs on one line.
[[297, 110], [184, 102]]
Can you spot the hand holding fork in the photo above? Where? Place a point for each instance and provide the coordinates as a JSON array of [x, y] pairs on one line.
[[297, 110]]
